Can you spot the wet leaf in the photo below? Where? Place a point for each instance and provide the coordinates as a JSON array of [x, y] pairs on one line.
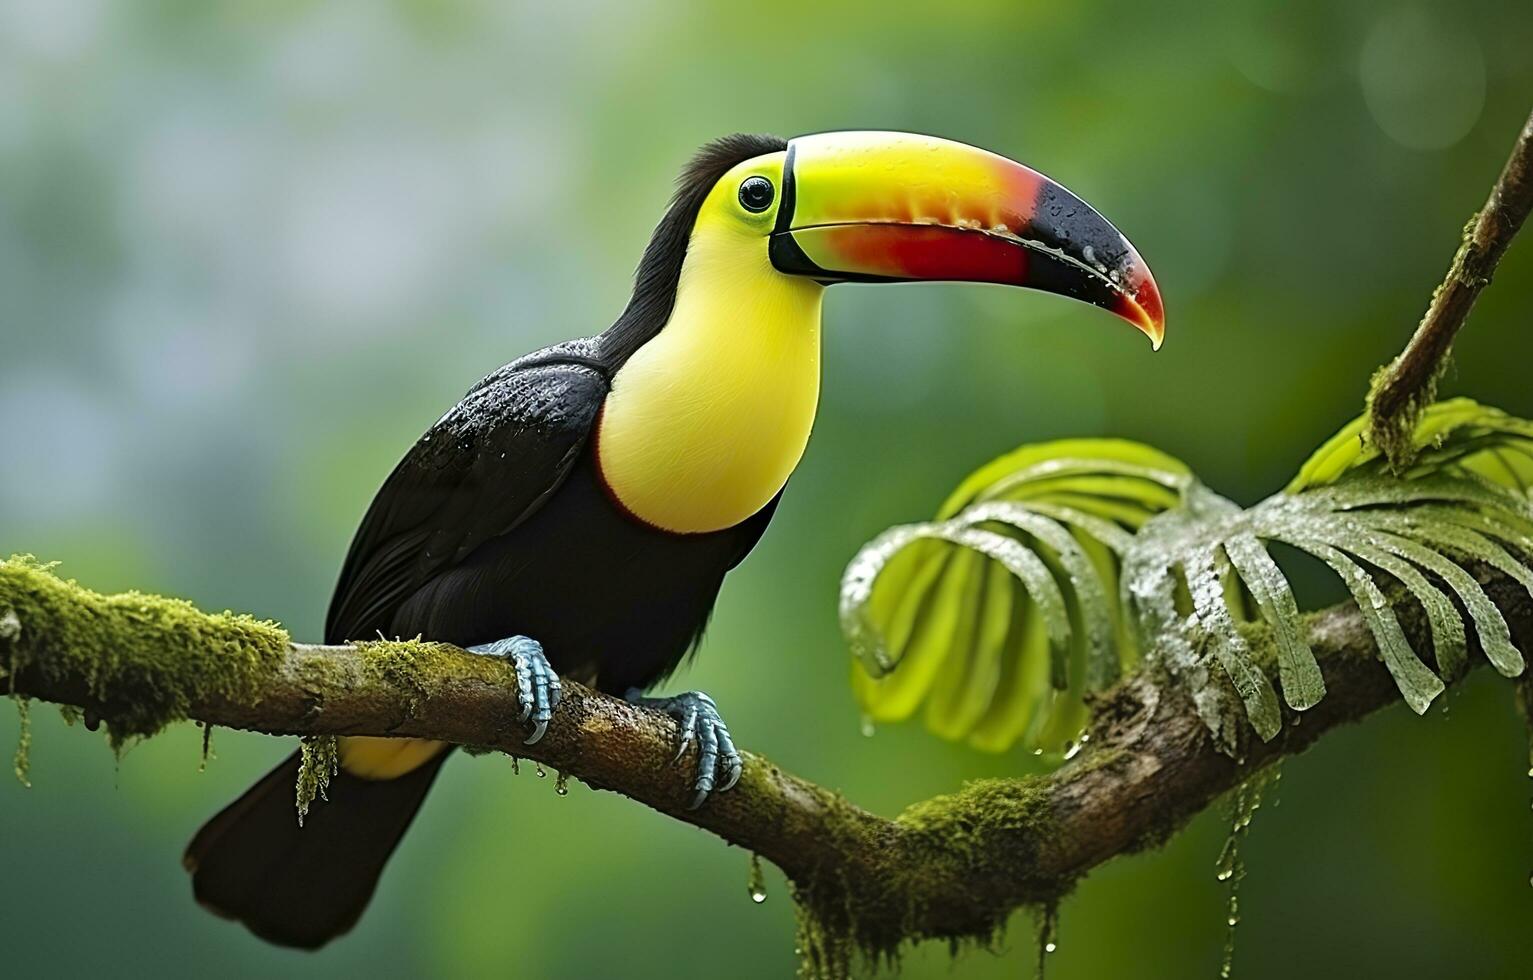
[[1049, 570], [1303, 686], [980, 613]]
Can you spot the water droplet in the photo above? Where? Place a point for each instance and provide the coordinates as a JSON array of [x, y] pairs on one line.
[[1037, 751], [1072, 750], [538, 768], [755, 882], [867, 727], [1229, 868], [1048, 935], [562, 784]]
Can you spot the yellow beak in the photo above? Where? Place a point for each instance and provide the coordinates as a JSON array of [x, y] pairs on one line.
[[892, 207]]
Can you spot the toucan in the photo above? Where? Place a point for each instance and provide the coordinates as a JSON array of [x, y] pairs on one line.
[[577, 511]]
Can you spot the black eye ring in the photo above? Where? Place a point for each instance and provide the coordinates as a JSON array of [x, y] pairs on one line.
[[756, 194]]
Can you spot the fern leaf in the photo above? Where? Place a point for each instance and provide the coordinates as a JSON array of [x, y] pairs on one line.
[[1455, 437], [1417, 684], [1212, 619], [1049, 570], [1019, 576], [1303, 686]]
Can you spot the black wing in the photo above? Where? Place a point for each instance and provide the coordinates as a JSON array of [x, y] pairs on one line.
[[479, 472]]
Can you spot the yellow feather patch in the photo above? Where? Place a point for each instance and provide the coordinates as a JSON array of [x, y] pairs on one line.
[[706, 421], [386, 758]]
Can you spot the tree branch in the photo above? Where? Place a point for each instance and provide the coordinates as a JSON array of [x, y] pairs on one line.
[[1408, 384], [951, 867]]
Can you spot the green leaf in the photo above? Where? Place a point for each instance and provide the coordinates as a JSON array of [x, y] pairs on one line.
[[1303, 687], [1448, 638], [1213, 621], [980, 613], [1049, 570], [1456, 436]]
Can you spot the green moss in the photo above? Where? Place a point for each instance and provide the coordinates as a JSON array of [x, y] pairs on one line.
[[841, 920], [824, 953], [145, 659], [422, 667], [982, 807], [320, 673], [22, 761], [207, 747], [320, 757], [1395, 436]]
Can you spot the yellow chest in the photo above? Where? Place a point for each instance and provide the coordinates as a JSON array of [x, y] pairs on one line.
[[706, 421]]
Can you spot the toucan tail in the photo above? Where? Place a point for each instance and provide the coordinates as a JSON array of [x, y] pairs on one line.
[[303, 885]]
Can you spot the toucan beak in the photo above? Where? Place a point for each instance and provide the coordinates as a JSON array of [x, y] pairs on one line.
[[897, 207]]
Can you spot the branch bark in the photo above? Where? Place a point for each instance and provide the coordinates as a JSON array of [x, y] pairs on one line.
[[951, 867], [1408, 383]]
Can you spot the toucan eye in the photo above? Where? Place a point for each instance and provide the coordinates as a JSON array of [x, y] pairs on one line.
[[756, 194]]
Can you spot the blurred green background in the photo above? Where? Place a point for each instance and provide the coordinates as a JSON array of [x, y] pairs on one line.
[[249, 250]]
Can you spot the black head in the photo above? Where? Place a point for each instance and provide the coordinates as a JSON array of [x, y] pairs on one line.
[[654, 287]]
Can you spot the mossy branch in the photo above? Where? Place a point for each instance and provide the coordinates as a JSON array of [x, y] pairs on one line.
[[1405, 386], [952, 867]]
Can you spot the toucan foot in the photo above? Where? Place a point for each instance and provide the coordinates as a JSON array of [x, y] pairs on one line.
[[718, 761], [537, 683]]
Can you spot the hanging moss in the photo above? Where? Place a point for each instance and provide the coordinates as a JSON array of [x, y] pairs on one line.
[[146, 658], [842, 920], [1048, 936], [207, 747], [22, 761], [823, 954], [320, 759]]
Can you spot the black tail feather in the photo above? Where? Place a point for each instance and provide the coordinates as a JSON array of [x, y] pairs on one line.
[[303, 886]]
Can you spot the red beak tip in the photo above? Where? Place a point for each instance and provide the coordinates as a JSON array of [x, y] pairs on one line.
[[1146, 321], [1149, 314]]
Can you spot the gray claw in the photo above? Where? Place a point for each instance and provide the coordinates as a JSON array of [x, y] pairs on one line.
[[537, 684], [688, 731], [732, 762], [700, 722]]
